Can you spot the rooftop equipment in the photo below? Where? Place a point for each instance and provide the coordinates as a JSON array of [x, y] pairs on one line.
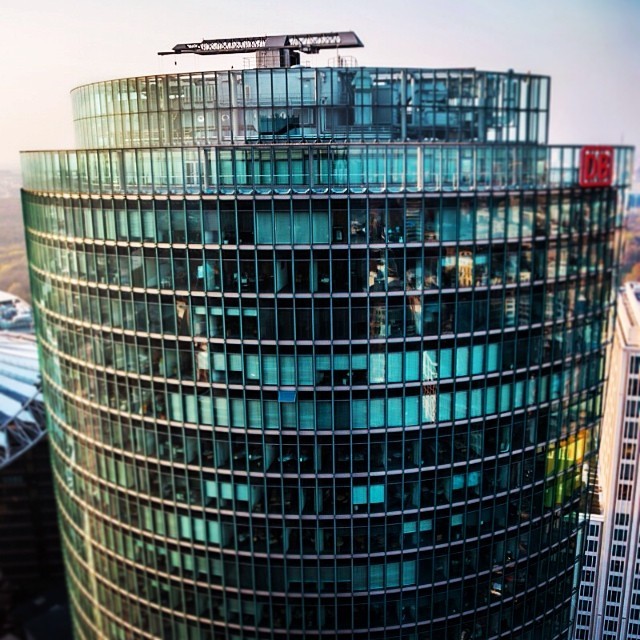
[[271, 51]]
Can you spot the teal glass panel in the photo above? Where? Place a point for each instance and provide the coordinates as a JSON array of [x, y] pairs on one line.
[[444, 406], [359, 416], [461, 402], [376, 494], [446, 362], [412, 366], [462, 361], [411, 411], [394, 367], [376, 412], [394, 412]]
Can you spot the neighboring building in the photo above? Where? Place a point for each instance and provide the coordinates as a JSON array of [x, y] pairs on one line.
[[588, 586], [323, 352], [15, 314], [616, 596], [586, 603], [30, 556]]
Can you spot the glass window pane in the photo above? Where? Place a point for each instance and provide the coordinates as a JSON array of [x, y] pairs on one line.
[[445, 369], [394, 370], [359, 419], [376, 494], [462, 361], [359, 495], [412, 366], [411, 411], [444, 406]]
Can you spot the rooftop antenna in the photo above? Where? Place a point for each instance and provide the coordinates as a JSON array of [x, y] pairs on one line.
[[271, 51]]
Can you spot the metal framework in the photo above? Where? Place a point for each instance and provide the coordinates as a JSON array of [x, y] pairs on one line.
[[24, 429], [306, 43]]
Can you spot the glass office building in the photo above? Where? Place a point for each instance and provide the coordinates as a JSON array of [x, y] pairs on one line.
[[323, 353]]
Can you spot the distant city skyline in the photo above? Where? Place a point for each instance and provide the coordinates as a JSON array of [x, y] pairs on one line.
[[590, 50]]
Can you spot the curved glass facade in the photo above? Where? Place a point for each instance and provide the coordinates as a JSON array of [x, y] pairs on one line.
[[301, 103], [329, 389]]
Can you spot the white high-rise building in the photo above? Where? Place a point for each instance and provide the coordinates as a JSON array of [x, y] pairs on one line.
[[610, 588]]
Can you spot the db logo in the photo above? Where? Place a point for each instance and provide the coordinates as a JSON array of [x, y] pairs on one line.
[[596, 166]]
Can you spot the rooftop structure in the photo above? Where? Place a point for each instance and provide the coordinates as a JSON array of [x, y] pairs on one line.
[[271, 51], [22, 422]]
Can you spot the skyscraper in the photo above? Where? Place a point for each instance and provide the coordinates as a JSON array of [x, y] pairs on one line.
[[323, 351], [612, 579]]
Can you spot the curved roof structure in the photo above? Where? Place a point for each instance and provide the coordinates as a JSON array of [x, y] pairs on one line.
[[22, 421]]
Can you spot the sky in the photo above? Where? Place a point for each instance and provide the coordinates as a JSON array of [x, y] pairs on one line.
[[590, 48]]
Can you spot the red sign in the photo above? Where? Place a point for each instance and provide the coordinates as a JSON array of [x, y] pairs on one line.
[[596, 166]]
